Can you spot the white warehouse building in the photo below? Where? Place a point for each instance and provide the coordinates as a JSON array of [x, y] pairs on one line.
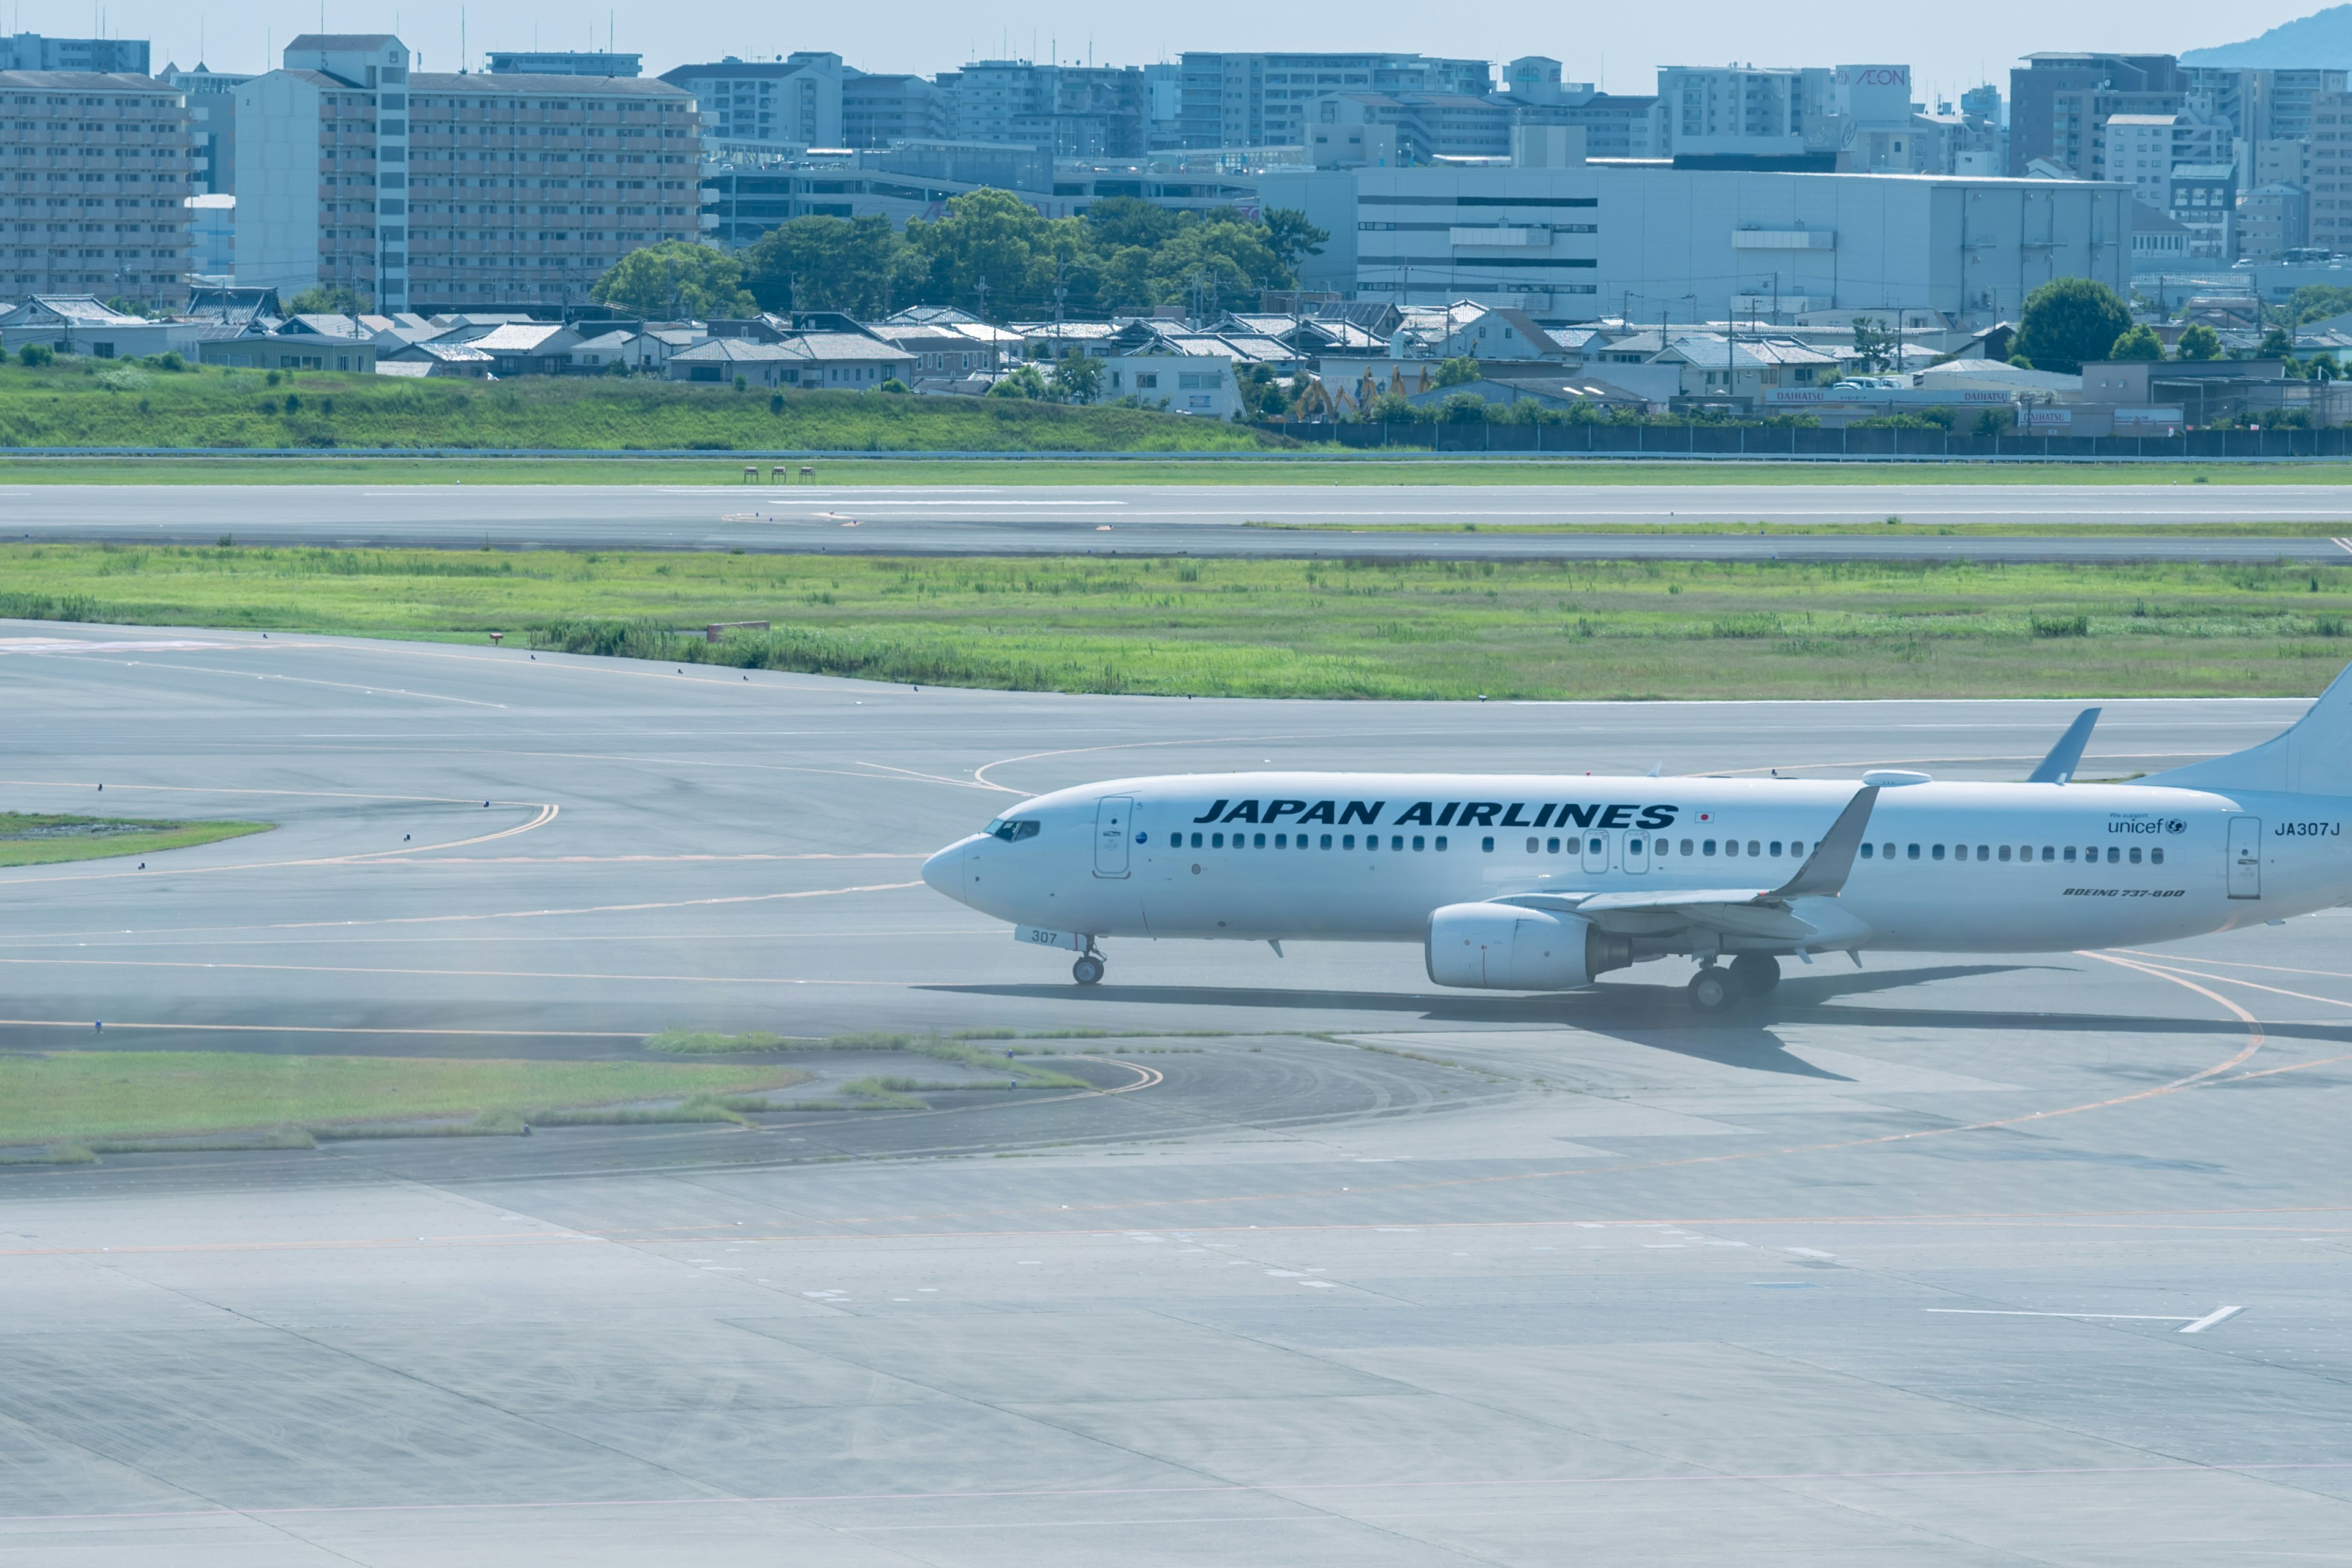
[[1650, 241]]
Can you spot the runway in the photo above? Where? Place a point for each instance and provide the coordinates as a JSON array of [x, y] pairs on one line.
[[1499, 522], [1329, 1267]]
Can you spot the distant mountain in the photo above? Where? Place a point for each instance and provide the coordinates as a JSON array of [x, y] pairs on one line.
[[2321, 39]]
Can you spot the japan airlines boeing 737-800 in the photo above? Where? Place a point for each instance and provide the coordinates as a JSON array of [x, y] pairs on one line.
[[1529, 882]]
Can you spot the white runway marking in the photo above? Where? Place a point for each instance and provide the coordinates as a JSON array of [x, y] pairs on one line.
[[2218, 1315]]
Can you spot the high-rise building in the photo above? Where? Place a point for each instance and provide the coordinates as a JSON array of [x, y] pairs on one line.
[[32, 52], [786, 105], [93, 186], [563, 62], [1069, 111], [2330, 207], [211, 116], [433, 191], [1234, 99], [2058, 102]]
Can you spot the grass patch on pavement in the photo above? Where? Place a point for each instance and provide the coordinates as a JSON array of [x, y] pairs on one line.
[[87, 1097], [35, 838]]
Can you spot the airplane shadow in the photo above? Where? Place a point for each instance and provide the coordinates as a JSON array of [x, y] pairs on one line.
[[1658, 1017]]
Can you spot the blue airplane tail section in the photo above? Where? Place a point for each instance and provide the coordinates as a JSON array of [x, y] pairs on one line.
[[2313, 757]]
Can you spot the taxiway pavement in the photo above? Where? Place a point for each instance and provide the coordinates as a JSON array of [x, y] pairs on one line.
[[1926, 1262]]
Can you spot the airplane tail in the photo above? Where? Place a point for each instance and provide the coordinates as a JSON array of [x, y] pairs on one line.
[[2313, 757]]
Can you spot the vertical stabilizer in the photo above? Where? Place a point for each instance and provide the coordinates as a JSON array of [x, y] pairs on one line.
[[2064, 757], [2315, 757]]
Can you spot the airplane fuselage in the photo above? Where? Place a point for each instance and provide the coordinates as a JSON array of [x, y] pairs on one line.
[[1947, 867]]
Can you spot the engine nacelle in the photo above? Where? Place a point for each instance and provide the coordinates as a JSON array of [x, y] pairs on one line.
[[1502, 947]]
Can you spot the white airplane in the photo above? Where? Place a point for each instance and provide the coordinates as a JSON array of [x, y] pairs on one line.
[[1515, 882]]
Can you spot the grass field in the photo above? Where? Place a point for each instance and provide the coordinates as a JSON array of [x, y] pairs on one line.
[[1284, 628], [99, 403], [86, 1095], [1310, 466], [33, 839]]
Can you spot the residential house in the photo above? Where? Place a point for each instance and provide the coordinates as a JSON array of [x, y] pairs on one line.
[[83, 324], [437, 360]]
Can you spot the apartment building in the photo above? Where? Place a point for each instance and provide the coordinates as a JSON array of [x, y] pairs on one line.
[[2060, 102], [1615, 125], [1237, 99], [1065, 112], [2330, 207], [880, 109], [94, 172], [113, 57], [787, 105], [2143, 148], [212, 119], [431, 191]]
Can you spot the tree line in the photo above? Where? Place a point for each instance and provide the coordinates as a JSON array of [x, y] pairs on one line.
[[989, 253]]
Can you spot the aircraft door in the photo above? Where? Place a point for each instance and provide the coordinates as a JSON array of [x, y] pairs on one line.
[[1596, 851], [1113, 816], [1636, 856], [2245, 857]]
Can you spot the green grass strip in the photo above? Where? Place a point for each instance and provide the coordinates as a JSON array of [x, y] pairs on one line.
[[32, 838]]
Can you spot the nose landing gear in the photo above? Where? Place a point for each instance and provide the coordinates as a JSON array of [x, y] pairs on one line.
[[1088, 968]]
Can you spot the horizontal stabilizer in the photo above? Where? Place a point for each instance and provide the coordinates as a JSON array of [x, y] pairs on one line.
[[2064, 757]]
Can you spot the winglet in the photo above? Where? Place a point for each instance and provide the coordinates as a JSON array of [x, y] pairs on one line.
[[1825, 870], [2064, 757]]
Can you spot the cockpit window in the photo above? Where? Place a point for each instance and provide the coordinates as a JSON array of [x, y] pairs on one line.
[[1012, 831]]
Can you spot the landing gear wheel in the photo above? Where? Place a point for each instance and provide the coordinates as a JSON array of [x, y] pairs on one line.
[[1710, 990], [1756, 974], [1087, 970]]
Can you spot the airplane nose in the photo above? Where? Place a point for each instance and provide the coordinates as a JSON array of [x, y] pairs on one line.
[[942, 871]]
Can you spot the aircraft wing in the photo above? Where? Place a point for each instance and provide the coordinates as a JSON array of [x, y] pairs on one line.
[[1805, 908]]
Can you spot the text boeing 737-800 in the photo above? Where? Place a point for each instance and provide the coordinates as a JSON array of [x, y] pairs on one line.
[[1529, 882]]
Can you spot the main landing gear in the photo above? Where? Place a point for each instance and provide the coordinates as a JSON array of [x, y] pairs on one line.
[[1088, 968], [1751, 974]]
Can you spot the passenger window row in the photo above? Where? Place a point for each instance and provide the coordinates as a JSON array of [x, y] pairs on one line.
[[1664, 847], [2048, 854], [1285, 841]]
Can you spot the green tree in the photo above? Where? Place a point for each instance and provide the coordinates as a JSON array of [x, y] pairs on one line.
[[1122, 221], [1459, 371], [320, 299], [1291, 238], [985, 236], [1463, 409], [816, 263], [2200, 341], [1874, 346], [2277, 344], [1077, 377], [1021, 380], [2070, 320], [2139, 344], [677, 278], [1391, 408], [2317, 301]]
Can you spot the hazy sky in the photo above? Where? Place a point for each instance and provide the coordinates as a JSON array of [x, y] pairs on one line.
[[1950, 46]]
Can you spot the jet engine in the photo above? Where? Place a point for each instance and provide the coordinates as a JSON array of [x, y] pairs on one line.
[[1502, 947]]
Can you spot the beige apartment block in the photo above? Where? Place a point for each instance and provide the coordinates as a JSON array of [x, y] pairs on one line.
[[424, 191], [94, 171]]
